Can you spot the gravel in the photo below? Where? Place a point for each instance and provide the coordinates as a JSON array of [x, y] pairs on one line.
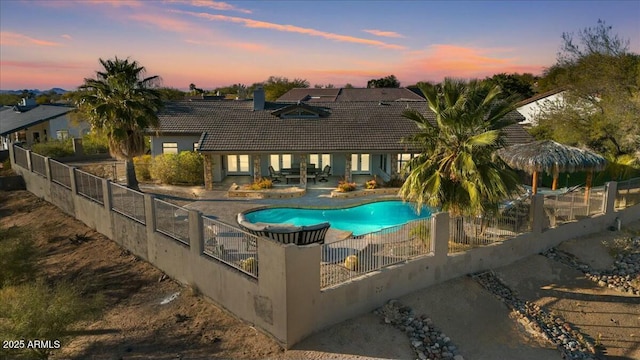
[[624, 276]]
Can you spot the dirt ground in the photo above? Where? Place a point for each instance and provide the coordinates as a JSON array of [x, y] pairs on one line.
[[135, 325]]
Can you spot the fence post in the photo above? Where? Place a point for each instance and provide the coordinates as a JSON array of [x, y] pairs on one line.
[[47, 167], [150, 221], [440, 234], [72, 180], [196, 232], [537, 214], [29, 160], [106, 193], [12, 154], [610, 191]]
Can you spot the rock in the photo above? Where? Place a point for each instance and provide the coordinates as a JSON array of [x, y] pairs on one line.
[[458, 357]]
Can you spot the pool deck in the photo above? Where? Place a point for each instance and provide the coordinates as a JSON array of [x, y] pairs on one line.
[[217, 205]]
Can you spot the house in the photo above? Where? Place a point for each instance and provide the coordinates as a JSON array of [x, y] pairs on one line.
[[311, 95], [532, 107], [31, 123], [245, 137]]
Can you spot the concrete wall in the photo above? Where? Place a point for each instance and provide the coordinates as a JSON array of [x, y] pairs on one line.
[[286, 300]]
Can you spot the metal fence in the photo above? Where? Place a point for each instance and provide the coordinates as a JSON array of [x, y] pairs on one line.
[[346, 259], [60, 173], [89, 186], [573, 206], [172, 220], [21, 156], [627, 193], [466, 232], [38, 164], [231, 246], [127, 202]]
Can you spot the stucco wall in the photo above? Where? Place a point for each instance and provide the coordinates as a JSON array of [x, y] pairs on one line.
[[185, 142]]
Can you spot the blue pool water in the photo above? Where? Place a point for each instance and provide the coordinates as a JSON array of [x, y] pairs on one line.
[[358, 219]]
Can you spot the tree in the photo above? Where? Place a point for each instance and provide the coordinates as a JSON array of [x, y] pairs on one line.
[[520, 85], [385, 82], [457, 169], [602, 101], [194, 90], [170, 94], [276, 86], [122, 103], [348, 86]]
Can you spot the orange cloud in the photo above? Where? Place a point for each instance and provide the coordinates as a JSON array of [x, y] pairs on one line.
[[293, 29], [15, 39], [391, 34], [164, 22], [114, 3], [215, 5]]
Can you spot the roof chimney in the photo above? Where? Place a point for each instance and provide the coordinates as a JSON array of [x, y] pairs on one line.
[[28, 102], [258, 99]]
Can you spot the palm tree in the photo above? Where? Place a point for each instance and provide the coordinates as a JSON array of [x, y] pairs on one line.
[[122, 103], [458, 170]]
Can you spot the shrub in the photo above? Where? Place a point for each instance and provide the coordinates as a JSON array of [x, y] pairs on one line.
[[345, 186], [54, 148], [264, 183], [184, 168], [372, 184], [422, 232], [95, 143], [394, 182], [143, 167], [17, 256], [37, 311]]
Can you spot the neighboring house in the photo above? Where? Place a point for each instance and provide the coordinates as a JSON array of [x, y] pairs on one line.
[[30, 123], [245, 137], [311, 95], [532, 107]]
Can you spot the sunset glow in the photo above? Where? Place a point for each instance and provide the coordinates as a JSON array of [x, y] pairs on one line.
[[45, 44]]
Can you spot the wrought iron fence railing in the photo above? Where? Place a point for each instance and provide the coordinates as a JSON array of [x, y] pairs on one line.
[[60, 173], [39, 164], [20, 156], [346, 259], [231, 246], [627, 193], [127, 202], [172, 220], [89, 186], [466, 232]]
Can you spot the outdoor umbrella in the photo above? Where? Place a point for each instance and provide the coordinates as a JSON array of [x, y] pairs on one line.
[[552, 158]]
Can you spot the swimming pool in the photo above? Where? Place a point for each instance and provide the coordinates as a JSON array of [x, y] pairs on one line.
[[360, 219]]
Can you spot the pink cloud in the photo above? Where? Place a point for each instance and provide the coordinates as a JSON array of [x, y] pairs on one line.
[[164, 22], [42, 65], [15, 39], [66, 36], [114, 3], [247, 46], [391, 34], [215, 5], [256, 24]]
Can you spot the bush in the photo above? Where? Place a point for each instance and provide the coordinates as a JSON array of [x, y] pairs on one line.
[[394, 182], [17, 256], [94, 143], [54, 148], [264, 183], [345, 186], [143, 167], [184, 168], [422, 232], [38, 311], [372, 184]]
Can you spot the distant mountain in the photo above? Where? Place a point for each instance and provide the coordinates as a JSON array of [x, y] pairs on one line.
[[35, 91]]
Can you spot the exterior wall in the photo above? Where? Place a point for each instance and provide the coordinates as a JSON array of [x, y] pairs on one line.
[[286, 299], [185, 142], [531, 110], [64, 123]]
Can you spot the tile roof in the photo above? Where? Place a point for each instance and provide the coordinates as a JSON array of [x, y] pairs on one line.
[[233, 126], [12, 120], [350, 94]]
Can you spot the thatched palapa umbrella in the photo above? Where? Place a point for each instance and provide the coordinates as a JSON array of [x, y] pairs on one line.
[[552, 158]]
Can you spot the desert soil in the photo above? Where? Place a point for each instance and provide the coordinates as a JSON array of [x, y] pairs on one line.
[[135, 325]]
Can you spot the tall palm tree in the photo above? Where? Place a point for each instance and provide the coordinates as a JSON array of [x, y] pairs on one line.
[[122, 103], [457, 169]]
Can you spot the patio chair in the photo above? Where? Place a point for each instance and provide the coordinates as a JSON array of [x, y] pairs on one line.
[[274, 175], [324, 175]]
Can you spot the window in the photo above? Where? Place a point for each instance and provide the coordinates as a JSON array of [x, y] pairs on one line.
[[360, 163], [195, 146], [169, 148], [403, 159], [238, 163], [321, 160], [62, 134], [280, 161], [383, 162]]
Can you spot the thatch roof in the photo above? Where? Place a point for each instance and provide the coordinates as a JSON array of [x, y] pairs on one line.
[[546, 155]]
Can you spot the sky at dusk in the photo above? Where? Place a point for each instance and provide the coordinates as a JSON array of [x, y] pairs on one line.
[[51, 43]]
